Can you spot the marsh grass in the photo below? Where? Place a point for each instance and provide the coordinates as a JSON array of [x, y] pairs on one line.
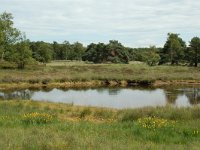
[[76, 127], [80, 71]]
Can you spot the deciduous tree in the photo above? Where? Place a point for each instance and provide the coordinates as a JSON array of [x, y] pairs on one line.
[[9, 35]]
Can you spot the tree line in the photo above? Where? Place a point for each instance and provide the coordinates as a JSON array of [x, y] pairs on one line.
[[14, 47]]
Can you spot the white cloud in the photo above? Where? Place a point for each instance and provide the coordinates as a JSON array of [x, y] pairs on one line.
[[133, 22]]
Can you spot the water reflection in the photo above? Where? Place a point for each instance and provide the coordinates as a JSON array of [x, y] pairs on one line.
[[23, 94], [171, 95], [182, 101], [112, 97], [193, 95]]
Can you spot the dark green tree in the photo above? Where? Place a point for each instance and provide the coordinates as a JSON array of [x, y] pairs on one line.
[[91, 53], [193, 52], [96, 53], [76, 52], [57, 55], [173, 50], [113, 52], [42, 52], [116, 52]]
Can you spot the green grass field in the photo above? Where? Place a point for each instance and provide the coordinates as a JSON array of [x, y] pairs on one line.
[[38, 125]]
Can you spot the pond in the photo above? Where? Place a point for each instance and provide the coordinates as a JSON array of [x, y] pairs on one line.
[[112, 97]]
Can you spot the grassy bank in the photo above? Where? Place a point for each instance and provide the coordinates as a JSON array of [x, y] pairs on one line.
[[79, 74], [43, 125]]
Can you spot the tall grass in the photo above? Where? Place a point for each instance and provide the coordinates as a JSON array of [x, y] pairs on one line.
[[76, 127], [79, 71]]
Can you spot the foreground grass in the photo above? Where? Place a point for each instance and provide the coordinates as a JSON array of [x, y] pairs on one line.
[[79, 71], [74, 127]]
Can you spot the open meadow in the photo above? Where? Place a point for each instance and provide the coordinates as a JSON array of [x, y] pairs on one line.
[[39, 125]]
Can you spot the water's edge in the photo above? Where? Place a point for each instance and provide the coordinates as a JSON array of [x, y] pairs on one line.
[[98, 83]]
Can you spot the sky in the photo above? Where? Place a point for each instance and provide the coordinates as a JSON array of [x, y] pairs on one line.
[[135, 23]]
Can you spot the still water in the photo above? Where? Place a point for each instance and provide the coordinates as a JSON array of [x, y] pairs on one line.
[[112, 97]]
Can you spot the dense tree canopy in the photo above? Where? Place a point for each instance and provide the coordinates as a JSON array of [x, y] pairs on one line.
[[15, 48], [117, 53], [149, 55], [113, 52], [76, 52], [42, 52], [95, 53], [67, 51], [59, 51]]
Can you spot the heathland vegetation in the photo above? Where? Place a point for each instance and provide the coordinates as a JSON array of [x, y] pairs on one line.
[[80, 74]]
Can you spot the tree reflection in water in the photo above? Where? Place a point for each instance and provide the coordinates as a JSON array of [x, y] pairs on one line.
[[193, 95], [114, 91], [23, 94], [172, 94]]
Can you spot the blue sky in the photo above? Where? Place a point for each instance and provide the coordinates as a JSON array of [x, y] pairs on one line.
[[135, 23]]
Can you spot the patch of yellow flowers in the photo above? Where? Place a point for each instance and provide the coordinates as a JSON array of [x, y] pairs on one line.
[[37, 118], [154, 123]]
